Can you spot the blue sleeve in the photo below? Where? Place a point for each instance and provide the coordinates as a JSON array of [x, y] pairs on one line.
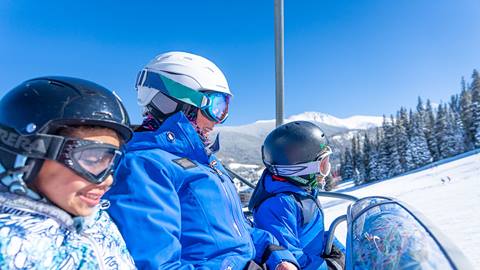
[[281, 216], [146, 209], [262, 240]]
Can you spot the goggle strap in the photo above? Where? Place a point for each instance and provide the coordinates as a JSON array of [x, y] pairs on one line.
[[40, 146], [297, 169], [301, 169], [172, 88]]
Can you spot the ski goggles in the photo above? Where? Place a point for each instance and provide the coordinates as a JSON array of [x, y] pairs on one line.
[[92, 160], [217, 108], [213, 104], [321, 166]]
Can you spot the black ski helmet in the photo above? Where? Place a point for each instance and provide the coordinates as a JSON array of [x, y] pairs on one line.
[[293, 143], [42, 106]]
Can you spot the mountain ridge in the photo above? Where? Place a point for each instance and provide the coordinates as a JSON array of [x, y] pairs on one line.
[[242, 143]]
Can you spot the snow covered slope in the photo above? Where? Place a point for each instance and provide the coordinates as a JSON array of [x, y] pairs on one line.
[[448, 195]]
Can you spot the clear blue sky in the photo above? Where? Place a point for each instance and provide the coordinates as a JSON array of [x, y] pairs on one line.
[[342, 57]]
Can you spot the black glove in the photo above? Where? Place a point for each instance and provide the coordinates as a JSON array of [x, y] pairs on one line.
[[335, 260], [251, 265]]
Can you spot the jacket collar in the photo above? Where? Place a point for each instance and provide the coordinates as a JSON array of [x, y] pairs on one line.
[[176, 135], [24, 203], [275, 184]]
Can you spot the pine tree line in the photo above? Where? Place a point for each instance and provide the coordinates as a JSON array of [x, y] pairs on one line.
[[415, 138]]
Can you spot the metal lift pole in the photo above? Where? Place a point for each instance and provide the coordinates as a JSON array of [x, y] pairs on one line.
[[279, 52]]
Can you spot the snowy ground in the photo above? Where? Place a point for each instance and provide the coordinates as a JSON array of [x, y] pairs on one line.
[[451, 205]]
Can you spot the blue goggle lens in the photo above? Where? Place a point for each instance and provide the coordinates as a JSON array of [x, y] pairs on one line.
[[217, 108]]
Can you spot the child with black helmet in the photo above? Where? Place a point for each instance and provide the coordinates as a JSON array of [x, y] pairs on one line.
[[59, 143], [296, 156]]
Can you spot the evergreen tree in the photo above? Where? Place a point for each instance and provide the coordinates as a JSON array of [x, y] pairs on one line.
[[420, 108], [358, 162], [401, 136], [418, 153], [463, 84], [476, 124], [429, 131], [441, 130], [367, 149], [449, 144], [354, 152], [420, 120], [466, 115], [347, 165], [458, 133], [475, 86], [410, 158], [373, 161], [383, 159], [394, 166], [455, 103], [475, 108]]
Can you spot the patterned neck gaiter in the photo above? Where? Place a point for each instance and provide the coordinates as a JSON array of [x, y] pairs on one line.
[[149, 124]]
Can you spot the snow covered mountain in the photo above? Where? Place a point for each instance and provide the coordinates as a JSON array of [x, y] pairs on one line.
[[242, 144], [353, 122]]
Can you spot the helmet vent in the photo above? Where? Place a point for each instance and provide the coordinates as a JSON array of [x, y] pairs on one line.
[[56, 83], [163, 57], [90, 92], [105, 115], [210, 69]]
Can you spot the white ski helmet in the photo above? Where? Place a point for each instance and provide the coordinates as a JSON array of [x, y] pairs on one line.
[[175, 81]]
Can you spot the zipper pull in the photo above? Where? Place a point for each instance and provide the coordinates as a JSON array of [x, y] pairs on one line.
[[213, 165]]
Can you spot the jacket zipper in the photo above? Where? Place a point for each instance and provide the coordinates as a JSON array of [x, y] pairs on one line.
[[250, 241], [212, 165], [96, 251]]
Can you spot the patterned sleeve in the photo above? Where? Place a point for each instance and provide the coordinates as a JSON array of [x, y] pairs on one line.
[[114, 251]]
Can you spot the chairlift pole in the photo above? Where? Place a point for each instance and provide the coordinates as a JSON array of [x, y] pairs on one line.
[[240, 178], [279, 70]]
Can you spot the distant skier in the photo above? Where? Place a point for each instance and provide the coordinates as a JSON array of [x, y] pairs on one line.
[[296, 156], [59, 142], [174, 202]]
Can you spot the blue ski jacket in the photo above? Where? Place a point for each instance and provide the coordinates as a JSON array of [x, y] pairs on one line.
[[283, 214], [177, 208]]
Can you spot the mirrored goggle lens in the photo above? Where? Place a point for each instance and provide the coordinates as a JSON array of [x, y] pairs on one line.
[[97, 161], [218, 106]]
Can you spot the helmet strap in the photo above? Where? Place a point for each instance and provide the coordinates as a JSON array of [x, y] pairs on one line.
[[150, 123], [154, 118], [191, 112], [15, 179]]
